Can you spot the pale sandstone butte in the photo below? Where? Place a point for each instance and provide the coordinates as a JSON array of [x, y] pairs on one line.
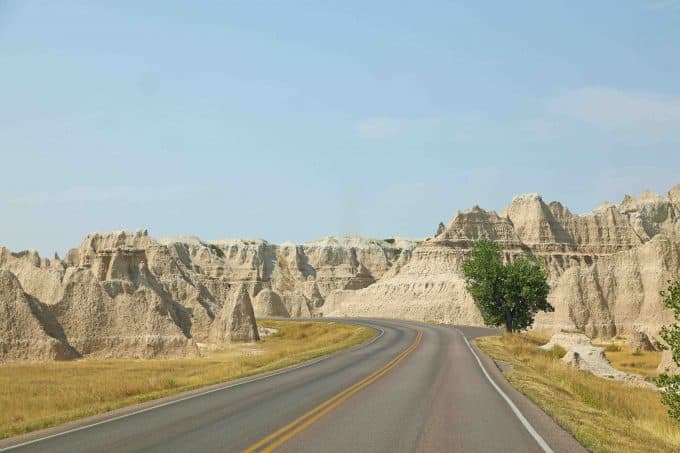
[[127, 295], [236, 321], [28, 330], [124, 294], [605, 268], [301, 275], [268, 303]]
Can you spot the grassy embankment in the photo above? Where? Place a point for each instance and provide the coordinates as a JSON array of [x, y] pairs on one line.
[[39, 395], [621, 357], [604, 415]]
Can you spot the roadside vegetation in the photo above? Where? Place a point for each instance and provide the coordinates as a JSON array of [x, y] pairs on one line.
[[644, 363], [670, 383], [604, 415], [38, 395], [507, 294]]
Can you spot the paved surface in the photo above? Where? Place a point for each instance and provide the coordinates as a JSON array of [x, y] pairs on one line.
[[405, 391]]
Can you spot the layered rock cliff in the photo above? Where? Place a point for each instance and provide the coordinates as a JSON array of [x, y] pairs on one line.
[[605, 268], [297, 277], [122, 294], [117, 295]]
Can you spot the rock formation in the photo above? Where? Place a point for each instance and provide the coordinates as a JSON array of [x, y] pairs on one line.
[[605, 268], [640, 341], [123, 294], [300, 276], [117, 295], [236, 321], [29, 330], [667, 364], [581, 354], [129, 295], [269, 304]]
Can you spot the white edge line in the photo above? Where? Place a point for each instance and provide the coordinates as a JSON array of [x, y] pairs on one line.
[[225, 387], [537, 437]]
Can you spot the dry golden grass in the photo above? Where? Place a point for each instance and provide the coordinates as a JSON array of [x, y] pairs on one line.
[[604, 415], [38, 395], [621, 357]]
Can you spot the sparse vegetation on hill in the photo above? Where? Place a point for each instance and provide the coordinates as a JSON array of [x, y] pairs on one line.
[[622, 358], [604, 415], [56, 392]]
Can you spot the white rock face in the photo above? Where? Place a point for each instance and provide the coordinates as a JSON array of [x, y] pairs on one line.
[[120, 295], [29, 331], [301, 276], [605, 268], [268, 303], [567, 340], [128, 294]]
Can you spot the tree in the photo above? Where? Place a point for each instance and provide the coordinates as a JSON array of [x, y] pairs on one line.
[[670, 384], [506, 294]]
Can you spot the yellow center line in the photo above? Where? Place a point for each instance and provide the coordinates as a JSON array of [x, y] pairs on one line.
[[287, 432]]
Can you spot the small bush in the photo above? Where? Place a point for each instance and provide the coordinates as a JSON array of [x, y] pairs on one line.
[[612, 348], [556, 352]]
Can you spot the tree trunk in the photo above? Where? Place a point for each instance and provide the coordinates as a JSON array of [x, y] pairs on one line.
[[508, 322]]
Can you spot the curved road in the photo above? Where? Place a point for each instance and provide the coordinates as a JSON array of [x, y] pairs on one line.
[[416, 387]]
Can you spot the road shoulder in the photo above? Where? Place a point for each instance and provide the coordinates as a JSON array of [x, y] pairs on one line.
[[559, 439]]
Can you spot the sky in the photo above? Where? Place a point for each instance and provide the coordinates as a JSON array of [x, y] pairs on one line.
[[302, 119]]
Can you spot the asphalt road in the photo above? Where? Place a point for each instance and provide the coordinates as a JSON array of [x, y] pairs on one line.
[[416, 387]]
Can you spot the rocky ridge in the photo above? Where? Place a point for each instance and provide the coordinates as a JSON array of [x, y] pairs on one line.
[[606, 268], [117, 295], [124, 294], [128, 295]]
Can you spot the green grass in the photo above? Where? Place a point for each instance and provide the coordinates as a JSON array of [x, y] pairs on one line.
[[38, 395], [604, 415]]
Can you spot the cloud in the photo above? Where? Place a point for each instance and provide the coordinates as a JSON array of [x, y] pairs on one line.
[[633, 114], [379, 128], [383, 128], [89, 194], [665, 5]]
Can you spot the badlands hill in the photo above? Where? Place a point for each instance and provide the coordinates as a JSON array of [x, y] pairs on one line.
[[122, 294], [129, 295], [117, 295], [605, 268]]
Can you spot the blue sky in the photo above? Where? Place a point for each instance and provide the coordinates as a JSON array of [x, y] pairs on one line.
[[300, 119]]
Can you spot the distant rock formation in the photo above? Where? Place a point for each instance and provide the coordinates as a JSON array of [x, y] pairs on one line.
[[29, 330], [236, 321], [300, 275], [269, 304], [605, 268], [117, 295], [123, 294], [128, 295]]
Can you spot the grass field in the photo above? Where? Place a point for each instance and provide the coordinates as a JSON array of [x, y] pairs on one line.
[[622, 358], [39, 395], [604, 415]]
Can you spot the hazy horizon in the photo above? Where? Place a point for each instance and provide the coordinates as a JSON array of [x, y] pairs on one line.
[[282, 122]]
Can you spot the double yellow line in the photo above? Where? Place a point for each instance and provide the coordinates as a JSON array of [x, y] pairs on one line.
[[286, 433]]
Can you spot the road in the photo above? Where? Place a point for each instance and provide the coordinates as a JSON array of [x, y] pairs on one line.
[[416, 387]]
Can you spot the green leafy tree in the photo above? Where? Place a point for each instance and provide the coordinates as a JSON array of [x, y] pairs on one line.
[[670, 384], [506, 294]]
